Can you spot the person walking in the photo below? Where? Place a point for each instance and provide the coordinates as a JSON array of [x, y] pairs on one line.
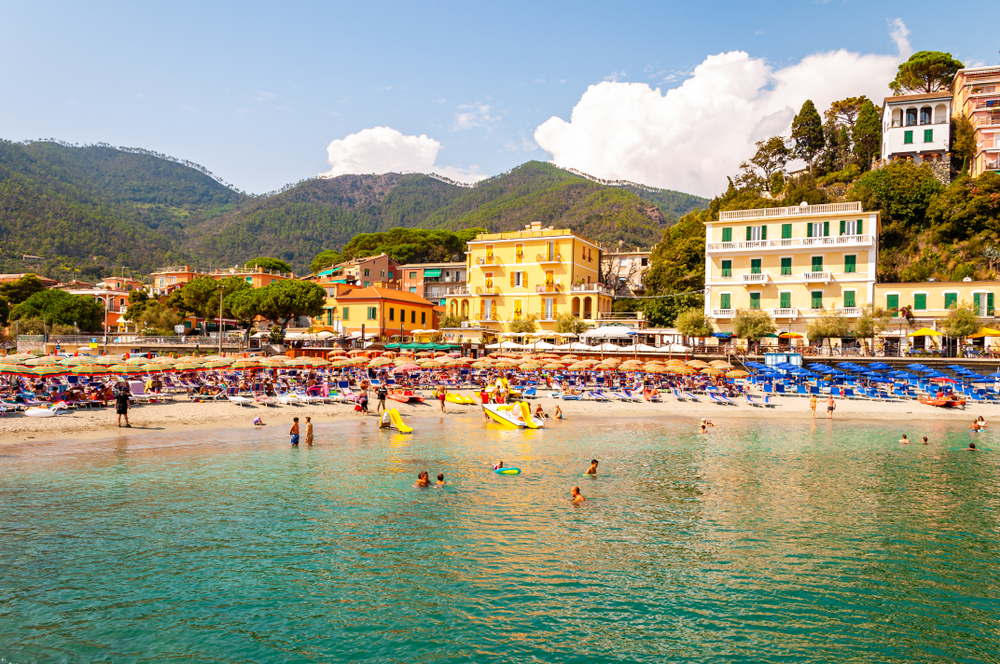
[[122, 394], [441, 392], [831, 406], [812, 405], [382, 392]]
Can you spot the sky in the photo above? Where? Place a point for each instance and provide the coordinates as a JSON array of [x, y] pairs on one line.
[[265, 94]]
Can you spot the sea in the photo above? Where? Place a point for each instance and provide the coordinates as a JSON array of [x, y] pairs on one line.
[[760, 541]]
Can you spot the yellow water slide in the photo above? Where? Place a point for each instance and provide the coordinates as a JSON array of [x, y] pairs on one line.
[[529, 421], [392, 419]]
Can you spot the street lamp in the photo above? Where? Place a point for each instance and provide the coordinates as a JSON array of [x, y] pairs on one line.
[[221, 289]]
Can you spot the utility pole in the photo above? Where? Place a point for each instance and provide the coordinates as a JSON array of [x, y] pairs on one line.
[[221, 288]]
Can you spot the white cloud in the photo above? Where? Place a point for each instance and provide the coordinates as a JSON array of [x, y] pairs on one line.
[[691, 137], [899, 34], [385, 150], [470, 116]]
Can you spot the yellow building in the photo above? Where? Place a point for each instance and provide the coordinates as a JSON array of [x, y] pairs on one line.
[[538, 271], [793, 262]]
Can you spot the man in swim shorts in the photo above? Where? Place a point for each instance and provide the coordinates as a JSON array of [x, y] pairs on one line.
[[577, 497], [381, 394], [593, 467], [294, 432], [423, 480], [830, 407], [122, 394]]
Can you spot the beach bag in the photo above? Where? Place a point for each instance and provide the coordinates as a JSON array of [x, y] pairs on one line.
[[357, 408]]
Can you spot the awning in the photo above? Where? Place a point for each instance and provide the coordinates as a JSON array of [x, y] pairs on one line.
[[432, 273], [328, 272]]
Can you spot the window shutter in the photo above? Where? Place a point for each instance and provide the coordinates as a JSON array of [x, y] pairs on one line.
[[511, 279], [949, 299], [826, 229], [724, 301], [749, 233], [727, 234], [977, 299], [843, 226], [850, 263], [989, 304], [763, 232], [809, 230], [786, 231], [524, 279], [786, 300], [857, 229], [920, 301], [849, 298], [555, 303]]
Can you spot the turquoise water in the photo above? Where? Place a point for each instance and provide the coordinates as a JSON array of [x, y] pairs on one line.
[[760, 542]]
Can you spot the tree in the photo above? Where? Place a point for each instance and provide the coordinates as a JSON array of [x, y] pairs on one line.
[[284, 301], [769, 160], [694, 323], [924, 72], [828, 325], [867, 135], [525, 326], [663, 311], [902, 191], [807, 133], [452, 320], [870, 324], [61, 308], [568, 323], [963, 140], [962, 320], [324, 259], [242, 305], [967, 208], [844, 112], [200, 297], [159, 317], [138, 301], [753, 324], [270, 264], [15, 292]]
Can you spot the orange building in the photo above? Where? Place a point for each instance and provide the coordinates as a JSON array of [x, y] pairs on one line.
[[168, 279], [977, 95], [384, 311]]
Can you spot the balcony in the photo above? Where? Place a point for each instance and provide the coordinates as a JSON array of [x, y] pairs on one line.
[[457, 290], [850, 312], [722, 313], [815, 277], [487, 290], [792, 211], [831, 241], [755, 278], [488, 260], [592, 288], [785, 313], [546, 258], [549, 288]]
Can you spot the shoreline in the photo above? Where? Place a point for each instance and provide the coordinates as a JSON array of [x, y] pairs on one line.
[[91, 426]]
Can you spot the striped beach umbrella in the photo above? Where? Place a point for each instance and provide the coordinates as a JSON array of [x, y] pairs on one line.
[[46, 370], [41, 361], [274, 362], [187, 366], [737, 373], [89, 370], [107, 360]]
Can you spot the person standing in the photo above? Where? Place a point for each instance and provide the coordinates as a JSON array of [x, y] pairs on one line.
[[831, 406], [294, 432], [441, 392], [122, 394], [309, 432], [382, 392], [812, 405]]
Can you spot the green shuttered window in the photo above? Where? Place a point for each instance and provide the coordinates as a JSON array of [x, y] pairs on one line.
[[727, 269], [786, 266], [950, 300], [817, 299], [908, 137], [892, 302], [850, 263], [928, 135], [849, 300], [755, 300], [754, 266], [725, 301], [786, 231], [786, 299], [817, 263], [920, 301], [727, 234]]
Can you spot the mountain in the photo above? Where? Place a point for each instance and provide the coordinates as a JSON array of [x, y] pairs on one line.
[[87, 210]]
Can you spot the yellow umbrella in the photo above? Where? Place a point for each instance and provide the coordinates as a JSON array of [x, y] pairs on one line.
[[985, 332], [41, 361], [698, 364], [737, 373], [925, 332]]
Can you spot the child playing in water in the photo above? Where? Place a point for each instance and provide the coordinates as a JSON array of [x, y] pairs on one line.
[[593, 467], [576, 495]]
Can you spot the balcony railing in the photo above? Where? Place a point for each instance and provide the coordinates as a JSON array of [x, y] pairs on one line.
[[546, 258], [792, 211], [762, 278], [830, 241], [722, 313], [785, 312], [808, 277], [487, 290], [852, 312], [488, 260], [592, 288], [457, 290], [548, 288]]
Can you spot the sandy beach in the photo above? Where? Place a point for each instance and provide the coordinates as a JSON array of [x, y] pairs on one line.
[[182, 415]]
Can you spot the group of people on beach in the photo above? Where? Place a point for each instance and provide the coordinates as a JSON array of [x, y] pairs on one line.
[[294, 432]]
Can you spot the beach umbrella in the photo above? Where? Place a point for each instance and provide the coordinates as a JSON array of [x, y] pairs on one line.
[[274, 362], [504, 364], [378, 362], [89, 370], [40, 361], [217, 364], [336, 351], [107, 360], [483, 365], [943, 379], [985, 332], [789, 335], [737, 373], [11, 369], [123, 369], [20, 356], [406, 367], [721, 364], [879, 366], [712, 371], [187, 366], [925, 332], [698, 364], [77, 361], [46, 370], [431, 364], [246, 363], [338, 364]]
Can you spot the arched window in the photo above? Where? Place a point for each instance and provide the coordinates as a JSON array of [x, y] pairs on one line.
[[465, 308], [911, 117], [587, 311], [940, 114], [897, 118], [576, 306], [925, 115]]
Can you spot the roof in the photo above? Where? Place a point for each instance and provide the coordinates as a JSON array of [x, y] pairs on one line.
[[424, 266], [376, 293], [941, 94]]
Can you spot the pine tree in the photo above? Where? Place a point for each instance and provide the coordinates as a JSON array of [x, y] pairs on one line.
[[867, 135], [807, 133]]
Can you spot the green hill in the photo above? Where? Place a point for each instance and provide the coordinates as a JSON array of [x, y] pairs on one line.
[[88, 210]]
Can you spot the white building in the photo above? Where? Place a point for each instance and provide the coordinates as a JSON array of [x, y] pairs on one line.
[[917, 127]]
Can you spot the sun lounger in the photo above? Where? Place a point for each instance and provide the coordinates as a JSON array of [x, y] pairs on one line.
[[750, 400], [677, 395], [598, 396], [239, 400], [768, 402]]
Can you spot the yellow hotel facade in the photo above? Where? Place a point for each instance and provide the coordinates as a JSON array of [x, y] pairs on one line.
[[793, 262], [538, 271]]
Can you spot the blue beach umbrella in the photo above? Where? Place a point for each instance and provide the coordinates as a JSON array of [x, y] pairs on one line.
[[995, 375], [879, 366]]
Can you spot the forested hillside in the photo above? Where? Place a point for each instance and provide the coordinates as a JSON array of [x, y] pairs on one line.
[[88, 210]]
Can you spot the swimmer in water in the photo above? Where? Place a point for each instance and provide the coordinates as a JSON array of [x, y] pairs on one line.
[[498, 465], [593, 467], [925, 440], [974, 426], [971, 447], [702, 429], [423, 479], [707, 422], [904, 440], [576, 495], [982, 422], [440, 481]]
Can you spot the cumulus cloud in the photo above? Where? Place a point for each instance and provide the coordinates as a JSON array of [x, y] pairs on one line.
[[691, 137], [386, 150]]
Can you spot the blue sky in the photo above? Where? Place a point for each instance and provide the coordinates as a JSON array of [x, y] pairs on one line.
[[256, 92]]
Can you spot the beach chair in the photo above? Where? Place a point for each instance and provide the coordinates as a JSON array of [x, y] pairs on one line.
[[715, 399], [751, 401], [233, 395], [677, 395], [597, 395], [259, 396], [530, 393], [800, 390], [768, 402]]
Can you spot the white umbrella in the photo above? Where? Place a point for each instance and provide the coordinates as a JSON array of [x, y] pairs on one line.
[[543, 345], [493, 346], [510, 345], [579, 345], [609, 332], [608, 347]]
